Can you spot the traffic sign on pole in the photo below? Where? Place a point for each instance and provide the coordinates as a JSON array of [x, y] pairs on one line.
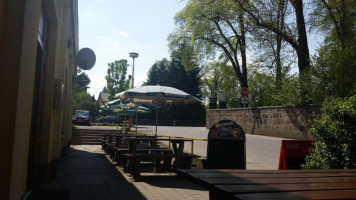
[[244, 92], [245, 99]]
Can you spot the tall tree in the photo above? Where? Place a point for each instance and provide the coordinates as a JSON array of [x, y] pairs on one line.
[[334, 66], [104, 90], [341, 15], [173, 74], [268, 44], [116, 80], [157, 74], [215, 27], [185, 80], [295, 36], [219, 76]]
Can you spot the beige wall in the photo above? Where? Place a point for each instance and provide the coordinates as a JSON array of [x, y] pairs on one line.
[[19, 21], [286, 122]]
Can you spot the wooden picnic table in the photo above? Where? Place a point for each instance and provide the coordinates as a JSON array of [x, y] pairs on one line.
[[275, 184], [177, 143], [131, 160]]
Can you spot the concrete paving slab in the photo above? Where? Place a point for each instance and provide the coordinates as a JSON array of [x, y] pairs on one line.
[[89, 174]]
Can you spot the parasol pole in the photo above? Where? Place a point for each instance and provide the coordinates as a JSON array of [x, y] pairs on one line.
[[156, 119], [136, 120], [154, 167], [118, 120]]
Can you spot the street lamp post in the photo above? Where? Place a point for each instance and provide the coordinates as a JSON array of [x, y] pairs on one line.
[[133, 55]]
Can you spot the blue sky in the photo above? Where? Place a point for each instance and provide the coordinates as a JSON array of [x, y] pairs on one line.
[[114, 28]]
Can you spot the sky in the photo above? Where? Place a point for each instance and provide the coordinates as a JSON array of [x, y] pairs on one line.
[[114, 28]]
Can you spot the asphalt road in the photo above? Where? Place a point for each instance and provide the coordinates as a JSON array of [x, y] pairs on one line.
[[261, 152]]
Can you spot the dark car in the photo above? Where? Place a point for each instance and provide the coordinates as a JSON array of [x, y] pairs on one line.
[[81, 117], [109, 119]]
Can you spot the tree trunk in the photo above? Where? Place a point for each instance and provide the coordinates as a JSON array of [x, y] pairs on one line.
[[243, 80], [278, 65], [302, 51], [280, 25]]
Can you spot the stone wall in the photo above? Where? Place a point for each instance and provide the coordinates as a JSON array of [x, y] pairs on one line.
[[286, 122]]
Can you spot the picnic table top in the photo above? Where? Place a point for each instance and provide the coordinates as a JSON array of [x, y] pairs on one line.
[[275, 184], [160, 139]]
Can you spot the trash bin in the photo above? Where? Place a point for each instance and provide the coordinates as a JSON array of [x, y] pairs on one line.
[[226, 146]]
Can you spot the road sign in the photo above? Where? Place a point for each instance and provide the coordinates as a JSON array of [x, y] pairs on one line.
[[244, 92], [245, 99]]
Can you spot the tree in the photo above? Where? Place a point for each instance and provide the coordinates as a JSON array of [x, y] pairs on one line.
[[215, 27], [92, 107], [157, 74], [335, 136], [219, 76], [116, 80], [341, 15], [295, 36], [180, 78], [333, 66], [104, 90], [173, 74], [268, 44], [333, 72], [80, 96]]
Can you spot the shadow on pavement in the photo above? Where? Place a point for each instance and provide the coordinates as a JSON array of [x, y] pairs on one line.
[[170, 181], [87, 174]]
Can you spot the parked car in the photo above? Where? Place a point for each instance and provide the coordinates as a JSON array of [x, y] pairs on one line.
[[109, 119], [81, 117]]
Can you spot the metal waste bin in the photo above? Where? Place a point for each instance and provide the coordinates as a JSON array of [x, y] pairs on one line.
[[226, 146]]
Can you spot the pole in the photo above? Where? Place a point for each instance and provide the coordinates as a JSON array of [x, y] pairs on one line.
[[133, 73], [156, 118], [154, 168], [118, 120], [245, 117], [136, 121]]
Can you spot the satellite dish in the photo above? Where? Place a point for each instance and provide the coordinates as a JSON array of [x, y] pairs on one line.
[[85, 59]]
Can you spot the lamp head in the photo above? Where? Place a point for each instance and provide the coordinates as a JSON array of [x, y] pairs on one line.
[[133, 55]]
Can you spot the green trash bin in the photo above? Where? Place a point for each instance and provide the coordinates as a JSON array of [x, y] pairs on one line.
[[226, 146]]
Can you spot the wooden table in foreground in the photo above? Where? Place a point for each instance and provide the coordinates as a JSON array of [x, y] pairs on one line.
[[275, 184]]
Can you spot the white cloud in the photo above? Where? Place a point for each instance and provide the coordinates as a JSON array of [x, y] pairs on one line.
[[97, 84], [116, 43], [123, 33]]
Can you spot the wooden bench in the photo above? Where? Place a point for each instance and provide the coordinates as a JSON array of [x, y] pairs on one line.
[[118, 157], [131, 162], [274, 184]]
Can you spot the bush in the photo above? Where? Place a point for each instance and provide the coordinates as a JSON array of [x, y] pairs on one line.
[[335, 136], [105, 124], [90, 106]]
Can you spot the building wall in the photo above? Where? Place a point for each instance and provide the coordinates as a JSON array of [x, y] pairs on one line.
[[19, 30], [286, 122]]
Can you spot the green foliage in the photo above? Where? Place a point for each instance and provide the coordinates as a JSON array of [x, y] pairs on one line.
[[173, 74], [105, 124], [116, 80], [206, 29], [157, 74], [92, 107], [83, 101], [180, 78], [220, 76], [333, 72], [81, 96], [264, 91], [335, 136], [337, 19]]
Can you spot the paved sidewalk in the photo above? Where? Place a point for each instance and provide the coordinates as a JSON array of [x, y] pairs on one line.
[[89, 174]]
